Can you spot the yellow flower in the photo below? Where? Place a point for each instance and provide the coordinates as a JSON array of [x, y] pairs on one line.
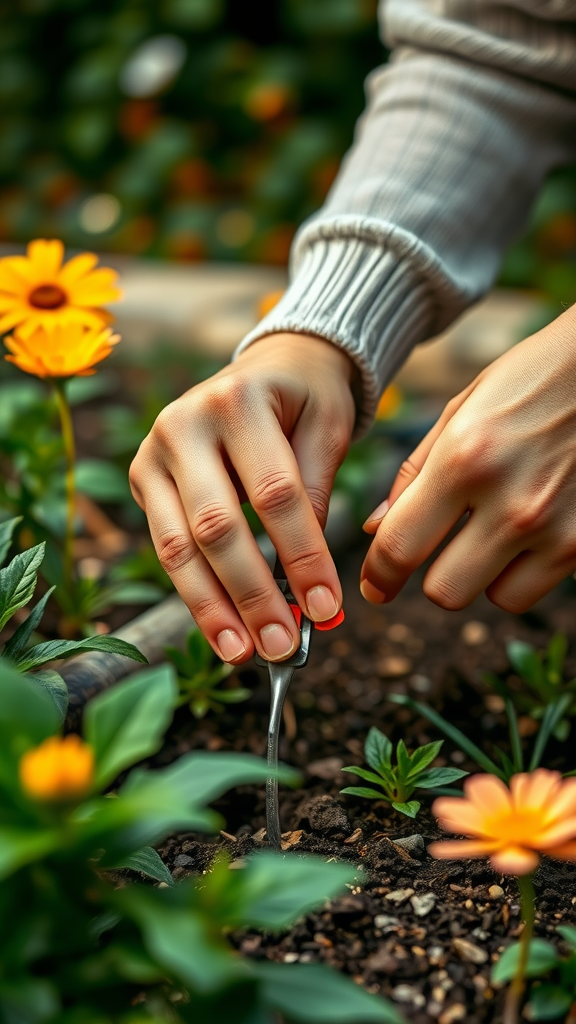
[[511, 826], [389, 403], [61, 768], [65, 351], [37, 290]]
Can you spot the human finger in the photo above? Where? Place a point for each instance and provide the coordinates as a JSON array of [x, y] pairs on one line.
[[532, 575], [222, 534], [178, 553], [278, 494], [414, 464]]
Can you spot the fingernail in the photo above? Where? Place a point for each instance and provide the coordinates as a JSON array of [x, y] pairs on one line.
[[230, 645], [379, 512], [276, 641], [371, 593], [321, 604]]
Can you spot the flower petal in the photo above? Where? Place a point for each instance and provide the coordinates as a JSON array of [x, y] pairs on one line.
[[76, 268], [555, 834], [47, 255], [489, 794], [457, 815], [566, 851], [535, 790], [565, 801], [514, 860], [460, 849]]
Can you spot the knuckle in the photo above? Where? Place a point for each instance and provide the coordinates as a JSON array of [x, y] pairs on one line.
[[444, 592], [230, 392], [407, 471], [275, 492], [530, 517], [255, 601], [392, 552], [471, 452], [309, 563], [320, 500], [509, 602], [174, 551], [167, 426], [213, 524], [207, 609]]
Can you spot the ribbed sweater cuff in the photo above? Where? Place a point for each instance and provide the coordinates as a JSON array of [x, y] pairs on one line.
[[362, 298]]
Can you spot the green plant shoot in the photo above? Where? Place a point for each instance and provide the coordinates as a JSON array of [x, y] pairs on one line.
[[200, 675], [396, 783]]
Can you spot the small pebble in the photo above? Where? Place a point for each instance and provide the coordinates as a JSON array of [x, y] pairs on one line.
[[183, 860], [393, 666], [399, 896], [435, 954], [422, 905], [414, 845], [408, 994], [495, 891], [474, 633], [455, 1012], [290, 958], [385, 921], [469, 952]]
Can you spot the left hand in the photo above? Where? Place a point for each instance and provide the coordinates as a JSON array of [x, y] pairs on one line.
[[503, 451]]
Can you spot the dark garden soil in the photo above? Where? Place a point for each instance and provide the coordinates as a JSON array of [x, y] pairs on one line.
[[420, 931]]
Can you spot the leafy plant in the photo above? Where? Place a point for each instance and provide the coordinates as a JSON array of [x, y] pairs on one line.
[[542, 675], [549, 999], [396, 783], [200, 674], [74, 945], [17, 585]]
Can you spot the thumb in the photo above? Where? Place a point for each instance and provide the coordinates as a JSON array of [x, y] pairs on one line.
[[413, 465]]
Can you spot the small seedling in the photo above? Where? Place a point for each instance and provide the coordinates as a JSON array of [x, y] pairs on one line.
[[200, 674], [554, 991], [396, 783]]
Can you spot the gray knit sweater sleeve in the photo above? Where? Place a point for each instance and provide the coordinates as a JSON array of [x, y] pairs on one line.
[[476, 106]]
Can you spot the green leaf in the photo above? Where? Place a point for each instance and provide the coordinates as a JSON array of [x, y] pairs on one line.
[[549, 1002], [370, 794], [202, 776], [6, 533], [404, 763], [433, 777], [552, 716], [18, 581], [20, 846], [542, 957], [314, 994], [53, 650], [424, 756], [135, 592], [101, 480], [235, 696], [454, 734], [52, 681], [527, 664], [28, 716], [555, 657], [568, 933], [273, 890], [20, 638], [410, 809], [377, 749], [30, 1000], [148, 862], [127, 722], [363, 773]]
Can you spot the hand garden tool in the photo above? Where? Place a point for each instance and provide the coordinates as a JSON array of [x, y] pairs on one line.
[[280, 675]]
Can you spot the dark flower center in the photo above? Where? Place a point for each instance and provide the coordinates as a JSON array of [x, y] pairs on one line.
[[47, 296]]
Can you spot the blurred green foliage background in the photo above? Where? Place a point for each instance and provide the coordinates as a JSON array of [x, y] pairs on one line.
[[193, 129]]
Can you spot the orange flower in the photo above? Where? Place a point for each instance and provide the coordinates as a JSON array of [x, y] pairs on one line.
[[389, 403], [37, 290], [65, 351], [59, 769], [511, 826]]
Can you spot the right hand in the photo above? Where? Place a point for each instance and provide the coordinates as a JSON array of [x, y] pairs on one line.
[[271, 428]]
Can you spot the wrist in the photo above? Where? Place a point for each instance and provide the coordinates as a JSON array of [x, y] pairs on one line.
[[303, 348]]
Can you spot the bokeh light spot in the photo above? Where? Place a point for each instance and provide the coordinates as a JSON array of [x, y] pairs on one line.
[[99, 213], [235, 228], [153, 66]]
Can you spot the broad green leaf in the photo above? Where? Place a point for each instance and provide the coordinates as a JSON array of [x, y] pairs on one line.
[[542, 958], [433, 777], [148, 862], [456, 735], [568, 933], [28, 716], [20, 638], [315, 994], [135, 592], [20, 846], [181, 939], [18, 581], [377, 749], [201, 776], [6, 533], [127, 722], [403, 759], [273, 891], [549, 1002], [555, 657], [370, 794], [53, 650], [424, 756], [180, 661], [410, 808], [527, 664], [101, 480], [52, 681], [363, 773]]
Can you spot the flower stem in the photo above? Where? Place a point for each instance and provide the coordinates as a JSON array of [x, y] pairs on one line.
[[518, 983], [70, 453]]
